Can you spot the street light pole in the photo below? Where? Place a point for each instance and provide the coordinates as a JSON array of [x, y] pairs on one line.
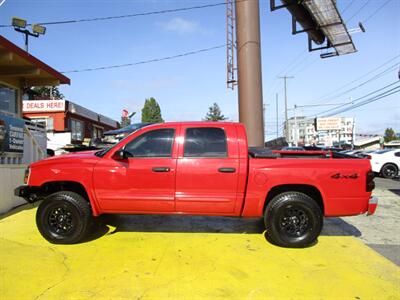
[[277, 134], [286, 109], [20, 26]]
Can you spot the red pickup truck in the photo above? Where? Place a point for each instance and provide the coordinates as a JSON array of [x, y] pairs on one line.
[[198, 168]]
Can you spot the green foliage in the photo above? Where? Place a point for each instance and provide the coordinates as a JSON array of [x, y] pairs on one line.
[[151, 111], [390, 135], [45, 93], [214, 114]]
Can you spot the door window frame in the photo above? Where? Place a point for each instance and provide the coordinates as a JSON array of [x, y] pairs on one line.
[[173, 151]]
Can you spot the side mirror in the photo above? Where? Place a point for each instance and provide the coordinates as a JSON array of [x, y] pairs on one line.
[[120, 155]]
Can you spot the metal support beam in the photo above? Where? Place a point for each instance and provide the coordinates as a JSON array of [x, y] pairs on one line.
[[249, 70]]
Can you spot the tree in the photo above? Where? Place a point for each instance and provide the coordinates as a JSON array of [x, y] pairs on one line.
[[44, 93], [214, 114], [151, 111], [390, 135]]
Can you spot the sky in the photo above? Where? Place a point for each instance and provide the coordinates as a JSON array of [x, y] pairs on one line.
[[185, 87]]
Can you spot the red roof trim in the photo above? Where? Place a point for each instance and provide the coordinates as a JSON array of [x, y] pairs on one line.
[[20, 52]]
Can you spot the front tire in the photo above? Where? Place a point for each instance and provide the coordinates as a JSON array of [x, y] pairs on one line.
[[293, 220], [64, 218], [389, 171]]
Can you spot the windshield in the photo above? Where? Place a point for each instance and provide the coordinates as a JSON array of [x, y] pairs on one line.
[[383, 151], [104, 151]]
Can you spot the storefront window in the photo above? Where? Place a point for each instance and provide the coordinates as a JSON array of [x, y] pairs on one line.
[[76, 130], [46, 122], [8, 100], [97, 133]]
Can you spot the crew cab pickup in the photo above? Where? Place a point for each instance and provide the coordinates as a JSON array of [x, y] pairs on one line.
[[198, 168]]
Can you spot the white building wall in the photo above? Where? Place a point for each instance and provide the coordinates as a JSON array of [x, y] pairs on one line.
[[11, 176], [303, 131]]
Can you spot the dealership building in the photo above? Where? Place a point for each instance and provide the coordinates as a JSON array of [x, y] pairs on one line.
[[24, 141], [66, 122]]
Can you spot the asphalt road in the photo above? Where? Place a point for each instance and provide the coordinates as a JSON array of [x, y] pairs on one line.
[[379, 231]]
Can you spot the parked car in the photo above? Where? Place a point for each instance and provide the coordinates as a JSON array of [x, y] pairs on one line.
[[386, 162], [119, 134], [293, 148], [198, 168]]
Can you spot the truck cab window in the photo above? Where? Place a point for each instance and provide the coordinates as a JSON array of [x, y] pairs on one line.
[[205, 142], [155, 143]]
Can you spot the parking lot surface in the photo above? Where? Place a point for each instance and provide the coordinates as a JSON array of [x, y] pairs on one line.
[[171, 257]]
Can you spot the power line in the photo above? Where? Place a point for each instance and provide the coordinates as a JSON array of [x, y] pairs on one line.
[[375, 12], [391, 68], [347, 7], [362, 7], [330, 94], [355, 100], [367, 101], [156, 12], [145, 61], [383, 95]]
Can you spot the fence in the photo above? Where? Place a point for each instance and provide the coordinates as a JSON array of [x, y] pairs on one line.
[[12, 167]]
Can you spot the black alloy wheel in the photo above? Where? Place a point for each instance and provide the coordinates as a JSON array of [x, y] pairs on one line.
[[293, 219], [389, 171], [64, 218]]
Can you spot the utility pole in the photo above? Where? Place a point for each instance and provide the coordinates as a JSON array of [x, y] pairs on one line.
[[277, 118], [248, 53], [285, 78], [295, 135]]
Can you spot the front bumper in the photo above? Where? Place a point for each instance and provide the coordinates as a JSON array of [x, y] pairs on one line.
[[29, 193], [372, 205]]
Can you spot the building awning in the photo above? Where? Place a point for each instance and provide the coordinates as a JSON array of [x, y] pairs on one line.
[[17, 64]]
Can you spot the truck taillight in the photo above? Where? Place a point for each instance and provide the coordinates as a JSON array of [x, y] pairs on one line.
[[370, 181], [26, 175]]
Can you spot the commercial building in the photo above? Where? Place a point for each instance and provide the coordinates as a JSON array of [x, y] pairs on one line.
[[66, 122], [321, 131], [21, 142]]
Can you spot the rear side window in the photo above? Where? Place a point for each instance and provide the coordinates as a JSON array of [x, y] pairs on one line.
[[155, 143], [205, 142]]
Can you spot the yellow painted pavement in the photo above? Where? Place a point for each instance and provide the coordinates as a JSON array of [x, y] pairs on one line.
[[137, 265]]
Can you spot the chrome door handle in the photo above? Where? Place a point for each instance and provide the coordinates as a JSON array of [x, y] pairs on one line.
[[227, 170], [161, 169]]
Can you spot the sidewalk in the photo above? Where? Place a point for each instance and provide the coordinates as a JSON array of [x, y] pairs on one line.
[[379, 231]]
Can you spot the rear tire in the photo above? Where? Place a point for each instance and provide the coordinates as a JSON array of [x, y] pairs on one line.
[[64, 218], [389, 171], [293, 220]]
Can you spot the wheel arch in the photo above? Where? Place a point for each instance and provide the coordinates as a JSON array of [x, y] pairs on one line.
[[51, 187], [392, 164], [307, 189]]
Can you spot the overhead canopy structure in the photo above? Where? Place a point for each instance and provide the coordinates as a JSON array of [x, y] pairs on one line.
[[322, 22], [18, 65]]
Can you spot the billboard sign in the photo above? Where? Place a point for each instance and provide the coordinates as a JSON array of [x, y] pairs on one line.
[[43, 105], [328, 124], [11, 135]]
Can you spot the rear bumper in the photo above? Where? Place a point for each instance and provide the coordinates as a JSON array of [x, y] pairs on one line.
[[372, 205]]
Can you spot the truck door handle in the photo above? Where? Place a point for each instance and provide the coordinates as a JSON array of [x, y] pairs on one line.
[[161, 169], [227, 170]]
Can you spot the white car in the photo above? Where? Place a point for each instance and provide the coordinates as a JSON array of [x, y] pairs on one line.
[[386, 162]]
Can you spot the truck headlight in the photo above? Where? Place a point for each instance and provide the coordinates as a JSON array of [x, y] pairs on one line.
[[26, 175]]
